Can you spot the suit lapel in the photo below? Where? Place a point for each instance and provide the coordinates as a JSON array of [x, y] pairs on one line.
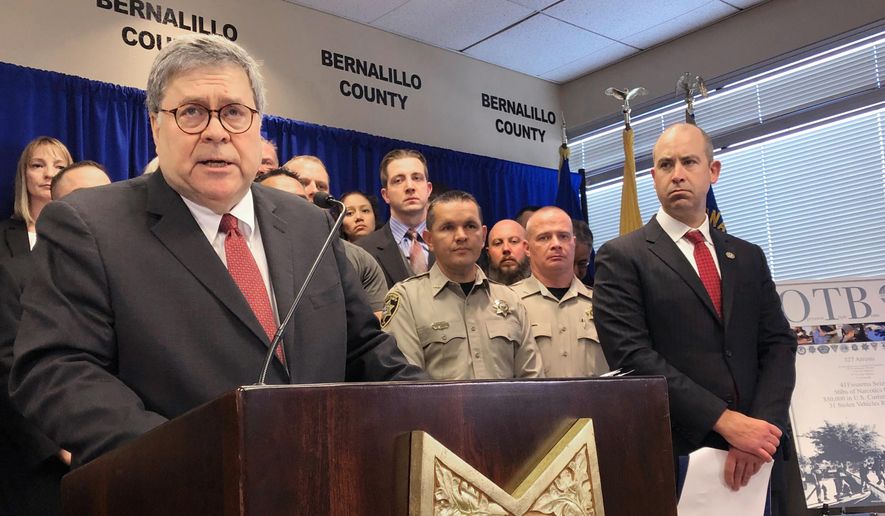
[[392, 255], [16, 236], [664, 248], [279, 247], [727, 257], [177, 230]]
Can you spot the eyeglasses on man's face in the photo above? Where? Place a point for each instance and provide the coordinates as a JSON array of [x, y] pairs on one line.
[[194, 118]]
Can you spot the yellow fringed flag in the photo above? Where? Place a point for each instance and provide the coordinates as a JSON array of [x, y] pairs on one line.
[[630, 218]]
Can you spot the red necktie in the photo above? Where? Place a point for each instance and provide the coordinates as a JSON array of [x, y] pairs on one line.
[[416, 254], [706, 268], [243, 269]]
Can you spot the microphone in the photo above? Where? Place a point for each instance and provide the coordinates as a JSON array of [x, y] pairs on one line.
[[323, 200]]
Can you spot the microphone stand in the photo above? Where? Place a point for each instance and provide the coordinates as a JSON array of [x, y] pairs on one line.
[[323, 200]]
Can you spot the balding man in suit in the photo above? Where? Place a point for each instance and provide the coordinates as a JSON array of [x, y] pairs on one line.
[[661, 308]]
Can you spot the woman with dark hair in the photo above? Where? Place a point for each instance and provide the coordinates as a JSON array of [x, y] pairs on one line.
[[41, 159], [360, 217]]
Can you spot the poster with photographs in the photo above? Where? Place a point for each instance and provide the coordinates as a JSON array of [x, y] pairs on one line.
[[838, 406]]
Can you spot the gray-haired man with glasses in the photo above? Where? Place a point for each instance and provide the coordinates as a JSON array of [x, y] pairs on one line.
[[155, 295]]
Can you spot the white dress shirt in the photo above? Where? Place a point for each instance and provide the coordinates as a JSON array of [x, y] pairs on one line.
[[244, 211], [676, 230]]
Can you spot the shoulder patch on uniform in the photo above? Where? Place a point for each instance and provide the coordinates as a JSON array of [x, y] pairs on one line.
[[391, 304]]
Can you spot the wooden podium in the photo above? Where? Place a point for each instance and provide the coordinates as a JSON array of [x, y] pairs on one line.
[[344, 449]]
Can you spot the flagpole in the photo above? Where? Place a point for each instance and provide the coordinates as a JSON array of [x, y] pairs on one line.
[[689, 84], [565, 193], [631, 219]]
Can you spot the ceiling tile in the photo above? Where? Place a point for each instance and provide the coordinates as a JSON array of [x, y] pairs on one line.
[[700, 17], [454, 24], [619, 18], [356, 10], [743, 4], [535, 5], [538, 45], [589, 63]]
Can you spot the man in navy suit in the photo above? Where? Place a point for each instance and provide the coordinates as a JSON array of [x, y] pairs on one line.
[[155, 295], [398, 245], [661, 308]]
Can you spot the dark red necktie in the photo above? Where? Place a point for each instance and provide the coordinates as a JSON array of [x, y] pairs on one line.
[[706, 268], [243, 269]]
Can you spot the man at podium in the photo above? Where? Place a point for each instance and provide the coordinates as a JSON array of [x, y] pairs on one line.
[[155, 295]]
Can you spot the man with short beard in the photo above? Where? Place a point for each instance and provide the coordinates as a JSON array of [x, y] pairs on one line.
[[508, 259]]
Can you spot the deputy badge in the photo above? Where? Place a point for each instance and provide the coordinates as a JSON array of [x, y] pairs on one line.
[[588, 313], [501, 308], [391, 304]]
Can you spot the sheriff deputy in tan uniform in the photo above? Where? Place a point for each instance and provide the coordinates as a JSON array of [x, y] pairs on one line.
[[559, 306], [452, 320]]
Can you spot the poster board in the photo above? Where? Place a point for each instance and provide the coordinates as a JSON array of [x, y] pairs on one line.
[[838, 405]]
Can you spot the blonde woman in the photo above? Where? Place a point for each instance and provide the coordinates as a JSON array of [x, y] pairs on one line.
[[41, 159]]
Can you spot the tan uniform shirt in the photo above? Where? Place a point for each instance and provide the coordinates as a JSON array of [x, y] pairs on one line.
[[564, 329], [453, 337]]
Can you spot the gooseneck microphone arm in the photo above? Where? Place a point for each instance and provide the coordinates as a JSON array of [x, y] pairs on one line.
[[323, 200]]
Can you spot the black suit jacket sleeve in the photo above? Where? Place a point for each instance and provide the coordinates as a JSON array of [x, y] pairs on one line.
[[66, 349], [621, 320], [28, 445], [777, 358]]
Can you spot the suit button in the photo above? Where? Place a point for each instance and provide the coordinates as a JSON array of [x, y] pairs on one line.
[[728, 353]]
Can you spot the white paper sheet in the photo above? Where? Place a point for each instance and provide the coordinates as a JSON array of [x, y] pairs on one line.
[[705, 491]]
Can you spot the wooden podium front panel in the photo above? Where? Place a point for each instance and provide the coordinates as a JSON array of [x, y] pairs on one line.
[[185, 466], [343, 450]]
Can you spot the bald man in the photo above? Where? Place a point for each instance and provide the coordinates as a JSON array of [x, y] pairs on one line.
[[508, 252], [559, 306], [370, 273], [82, 174], [312, 173], [680, 299]]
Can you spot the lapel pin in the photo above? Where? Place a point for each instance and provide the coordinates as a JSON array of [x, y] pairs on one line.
[[729, 255]]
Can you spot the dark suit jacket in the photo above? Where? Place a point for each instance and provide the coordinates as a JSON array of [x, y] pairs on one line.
[[655, 317], [30, 471], [132, 318], [13, 238], [381, 245]]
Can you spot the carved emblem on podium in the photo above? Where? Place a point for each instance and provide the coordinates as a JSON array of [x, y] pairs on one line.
[[565, 482]]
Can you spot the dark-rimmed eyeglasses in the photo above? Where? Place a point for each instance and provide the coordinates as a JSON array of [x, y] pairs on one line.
[[194, 118]]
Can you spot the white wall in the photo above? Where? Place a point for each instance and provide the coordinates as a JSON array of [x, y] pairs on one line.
[[750, 37], [82, 38]]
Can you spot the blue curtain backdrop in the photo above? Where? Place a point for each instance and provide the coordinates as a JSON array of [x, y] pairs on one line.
[[109, 124]]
